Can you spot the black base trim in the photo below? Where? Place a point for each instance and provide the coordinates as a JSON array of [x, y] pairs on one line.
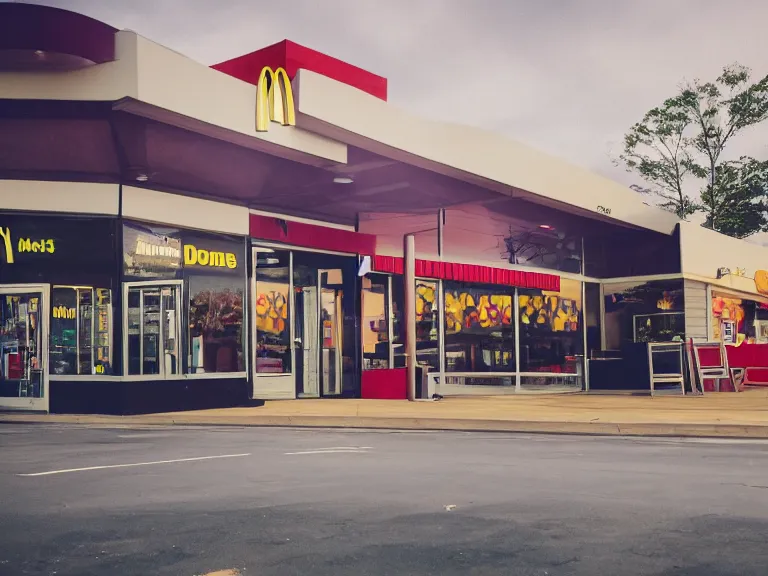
[[146, 396]]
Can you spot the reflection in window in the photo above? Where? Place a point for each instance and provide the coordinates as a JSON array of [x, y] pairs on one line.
[[543, 247], [273, 332], [375, 322], [551, 333], [643, 312], [81, 330], [427, 325], [398, 322], [479, 329], [215, 324]]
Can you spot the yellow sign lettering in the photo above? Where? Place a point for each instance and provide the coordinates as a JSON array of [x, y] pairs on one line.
[[64, 313], [194, 256], [35, 246], [274, 99], [5, 234]]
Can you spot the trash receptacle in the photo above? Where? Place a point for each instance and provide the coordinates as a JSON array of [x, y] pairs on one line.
[[422, 382]]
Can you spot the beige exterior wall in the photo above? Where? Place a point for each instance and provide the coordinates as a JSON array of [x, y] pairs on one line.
[[66, 197], [183, 211], [704, 251]]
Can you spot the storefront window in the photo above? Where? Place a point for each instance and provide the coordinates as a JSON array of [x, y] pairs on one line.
[[639, 312], [215, 324], [479, 329], [81, 330], [551, 332], [735, 320], [376, 346], [273, 332], [427, 325], [398, 322]]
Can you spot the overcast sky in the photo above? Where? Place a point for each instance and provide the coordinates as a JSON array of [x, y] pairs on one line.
[[565, 76]]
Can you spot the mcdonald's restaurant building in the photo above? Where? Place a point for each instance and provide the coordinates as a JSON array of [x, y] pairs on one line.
[[177, 236]]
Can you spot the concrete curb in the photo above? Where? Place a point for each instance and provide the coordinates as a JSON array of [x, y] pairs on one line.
[[388, 423]]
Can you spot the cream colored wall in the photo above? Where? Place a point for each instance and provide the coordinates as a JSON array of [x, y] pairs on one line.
[[487, 155], [183, 211], [172, 81], [68, 197], [703, 251]]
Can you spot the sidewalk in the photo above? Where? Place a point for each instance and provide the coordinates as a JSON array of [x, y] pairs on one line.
[[743, 415]]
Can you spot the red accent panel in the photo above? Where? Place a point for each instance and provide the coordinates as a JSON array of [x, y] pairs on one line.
[[470, 273], [292, 57], [384, 384], [32, 27], [311, 235], [750, 356]]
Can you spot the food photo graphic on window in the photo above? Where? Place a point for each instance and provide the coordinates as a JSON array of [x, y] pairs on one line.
[[550, 323], [479, 328]]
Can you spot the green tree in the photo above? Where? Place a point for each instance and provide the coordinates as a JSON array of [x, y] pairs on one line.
[[658, 149], [738, 203], [683, 141]]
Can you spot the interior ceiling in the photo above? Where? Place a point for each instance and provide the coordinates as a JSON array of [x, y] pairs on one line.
[[90, 141]]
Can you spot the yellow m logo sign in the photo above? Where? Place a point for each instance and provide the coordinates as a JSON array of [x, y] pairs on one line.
[[274, 99]]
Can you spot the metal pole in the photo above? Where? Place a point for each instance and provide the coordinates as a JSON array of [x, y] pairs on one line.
[[409, 275]]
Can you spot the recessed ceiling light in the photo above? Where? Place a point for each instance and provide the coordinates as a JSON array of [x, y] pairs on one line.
[[545, 226], [142, 177], [39, 53], [343, 180]]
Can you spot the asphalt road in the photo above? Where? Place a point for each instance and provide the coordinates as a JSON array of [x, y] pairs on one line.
[[329, 502]]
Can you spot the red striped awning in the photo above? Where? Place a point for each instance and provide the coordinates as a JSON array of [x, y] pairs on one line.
[[471, 273]]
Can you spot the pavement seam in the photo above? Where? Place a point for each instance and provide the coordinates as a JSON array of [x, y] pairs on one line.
[[433, 424]]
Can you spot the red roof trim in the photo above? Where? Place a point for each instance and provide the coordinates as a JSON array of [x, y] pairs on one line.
[[311, 235], [293, 57]]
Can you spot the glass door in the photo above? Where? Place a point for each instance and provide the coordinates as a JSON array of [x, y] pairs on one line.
[[24, 347], [331, 331], [306, 342], [152, 329]]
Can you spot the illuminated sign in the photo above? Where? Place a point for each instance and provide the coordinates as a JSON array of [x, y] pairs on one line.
[[24, 245], [64, 313], [274, 99], [761, 281], [194, 256]]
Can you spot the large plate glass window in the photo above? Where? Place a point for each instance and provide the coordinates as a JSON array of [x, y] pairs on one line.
[[643, 311], [427, 325], [375, 329], [479, 328], [153, 329], [81, 330], [273, 314], [214, 268], [22, 345], [551, 336]]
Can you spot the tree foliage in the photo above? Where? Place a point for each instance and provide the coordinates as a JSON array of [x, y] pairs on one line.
[[681, 144]]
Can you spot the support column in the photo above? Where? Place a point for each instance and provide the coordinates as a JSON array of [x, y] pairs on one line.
[[409, 275]]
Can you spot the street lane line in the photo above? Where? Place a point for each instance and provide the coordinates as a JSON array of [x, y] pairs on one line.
[[360, 450], [50, 472]]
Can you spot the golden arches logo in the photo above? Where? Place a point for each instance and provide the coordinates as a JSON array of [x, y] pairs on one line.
[[274, 99]]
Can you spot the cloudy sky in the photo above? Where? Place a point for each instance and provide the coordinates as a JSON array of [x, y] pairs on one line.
[[565, 76]]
